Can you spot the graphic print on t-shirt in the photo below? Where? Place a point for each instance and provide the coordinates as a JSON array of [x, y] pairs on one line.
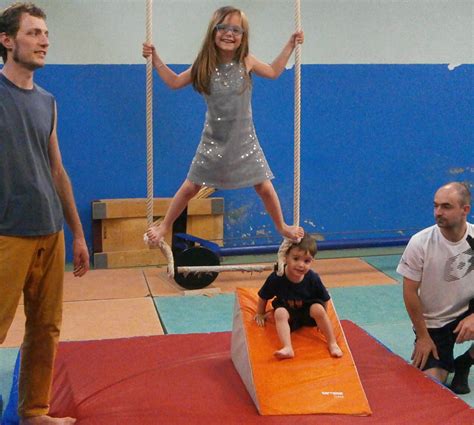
[[459, 266]]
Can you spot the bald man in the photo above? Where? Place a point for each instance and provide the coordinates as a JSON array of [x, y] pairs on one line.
[[438, 288]]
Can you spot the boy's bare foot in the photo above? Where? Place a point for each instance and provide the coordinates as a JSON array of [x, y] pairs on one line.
[[46, 420], [335, 350], [284, 353], [294, 233], [156, 234]]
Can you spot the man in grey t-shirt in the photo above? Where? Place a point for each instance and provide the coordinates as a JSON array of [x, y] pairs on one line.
[[438, 287], [35, 197]]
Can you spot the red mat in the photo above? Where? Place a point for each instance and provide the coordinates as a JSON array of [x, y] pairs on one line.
[[190, 380]]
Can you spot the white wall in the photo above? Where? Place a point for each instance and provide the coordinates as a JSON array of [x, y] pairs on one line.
[[337, 31]]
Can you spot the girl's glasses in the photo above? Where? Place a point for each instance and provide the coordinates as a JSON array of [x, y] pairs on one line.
[[224, 28]]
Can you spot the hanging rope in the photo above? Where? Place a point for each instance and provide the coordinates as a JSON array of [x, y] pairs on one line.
[[286, 244], [165, 249], [297, 129], [203, 193], [149, 116]]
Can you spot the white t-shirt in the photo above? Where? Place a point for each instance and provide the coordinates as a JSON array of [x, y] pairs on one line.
[[445, 270]]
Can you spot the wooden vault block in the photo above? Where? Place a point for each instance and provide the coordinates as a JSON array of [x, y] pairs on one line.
[[119, 225]]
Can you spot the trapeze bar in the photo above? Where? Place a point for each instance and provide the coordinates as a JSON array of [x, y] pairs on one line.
[[227, 268]]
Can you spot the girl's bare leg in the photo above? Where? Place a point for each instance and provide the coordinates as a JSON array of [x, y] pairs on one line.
[[318, 313], [284, 334], [267, 192], [180, 200]]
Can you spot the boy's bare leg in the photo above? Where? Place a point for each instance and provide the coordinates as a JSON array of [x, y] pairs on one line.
[[284, 334], [46, 420], [184, 194], [318, 313], [267, 192]]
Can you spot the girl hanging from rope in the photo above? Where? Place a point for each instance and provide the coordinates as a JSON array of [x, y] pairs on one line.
[[229, 155]]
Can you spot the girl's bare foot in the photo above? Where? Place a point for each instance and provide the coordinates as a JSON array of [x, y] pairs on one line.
[[284, 353], [294, 233], [335, 350], [156, 234], [46, 420]]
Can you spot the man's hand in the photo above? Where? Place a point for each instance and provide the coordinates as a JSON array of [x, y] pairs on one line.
[[423, 348], [80, 257], [465, 329]]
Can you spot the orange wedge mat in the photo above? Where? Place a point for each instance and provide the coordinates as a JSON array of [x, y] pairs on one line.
[[311, 382]]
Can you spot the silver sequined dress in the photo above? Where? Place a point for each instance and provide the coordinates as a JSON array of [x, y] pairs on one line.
[[229, 155]]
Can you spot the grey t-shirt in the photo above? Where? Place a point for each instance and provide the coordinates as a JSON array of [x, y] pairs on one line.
[[29, 203]]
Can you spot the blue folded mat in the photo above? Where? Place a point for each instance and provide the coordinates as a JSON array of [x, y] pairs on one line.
[[10, 415]]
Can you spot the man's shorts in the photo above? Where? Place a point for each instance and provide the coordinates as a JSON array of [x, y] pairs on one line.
[[444, 339], [299, 317]]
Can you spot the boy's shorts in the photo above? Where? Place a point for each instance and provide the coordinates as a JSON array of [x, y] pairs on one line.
[[299, 317], [444, 339]]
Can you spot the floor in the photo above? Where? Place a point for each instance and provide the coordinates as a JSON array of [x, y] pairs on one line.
[[143, 301]]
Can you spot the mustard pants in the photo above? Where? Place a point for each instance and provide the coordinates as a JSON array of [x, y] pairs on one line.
[[34, 266]]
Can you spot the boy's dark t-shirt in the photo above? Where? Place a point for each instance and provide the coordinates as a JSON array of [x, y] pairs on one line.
[[310, 290]]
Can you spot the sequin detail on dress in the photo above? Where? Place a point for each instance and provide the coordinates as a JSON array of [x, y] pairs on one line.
[[229, 155]]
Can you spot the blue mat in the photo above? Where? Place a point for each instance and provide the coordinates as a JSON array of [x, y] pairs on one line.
[[196, 314], [380, 311], [10, 415], [8, 358], [367, 305], [386, 264]]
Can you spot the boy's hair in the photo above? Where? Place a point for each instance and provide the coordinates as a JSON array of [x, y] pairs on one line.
[[207, 58], [307, 244], [10, 20]]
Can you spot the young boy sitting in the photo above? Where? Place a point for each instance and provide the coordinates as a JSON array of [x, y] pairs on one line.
[[300, 299]]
